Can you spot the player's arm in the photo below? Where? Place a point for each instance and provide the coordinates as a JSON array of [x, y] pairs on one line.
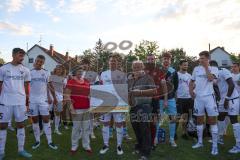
[[52, 91], [165, 89], [26, 86], [191, 88], [229, 92]]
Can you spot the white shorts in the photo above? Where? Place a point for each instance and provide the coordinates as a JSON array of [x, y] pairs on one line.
[[205, 104], [118, 117], [7, 112], [36, 109], [233, 108]]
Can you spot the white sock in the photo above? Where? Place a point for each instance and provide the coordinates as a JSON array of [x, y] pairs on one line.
[[214, 131], [3, 137], [119, 136], [200, 133], [36, 131], [48, 131], [221, 128], [57, 121], [105, 133], [236, 132], [21, 139]]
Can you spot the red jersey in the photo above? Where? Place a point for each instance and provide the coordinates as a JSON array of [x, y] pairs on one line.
[[80, 90], [158, 75]]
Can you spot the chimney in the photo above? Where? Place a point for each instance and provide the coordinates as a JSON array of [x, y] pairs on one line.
[[51, 50], [209, 47], [223, 48], [67, 56]]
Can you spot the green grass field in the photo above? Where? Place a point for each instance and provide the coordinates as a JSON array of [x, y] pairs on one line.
[[163, 151]]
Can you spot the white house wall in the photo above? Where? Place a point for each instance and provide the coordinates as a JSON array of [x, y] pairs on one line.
[[219, 55], [49, 65]]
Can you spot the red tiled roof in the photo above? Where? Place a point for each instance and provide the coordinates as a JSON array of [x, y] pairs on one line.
[[58, 57]]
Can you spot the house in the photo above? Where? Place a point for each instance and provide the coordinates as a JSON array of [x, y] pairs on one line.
[[222, 57], [53, 58]]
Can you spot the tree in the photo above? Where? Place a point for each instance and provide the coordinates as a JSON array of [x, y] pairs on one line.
[[146, 47], [179, 54], [101, 55], [235, 58], [2, 61]]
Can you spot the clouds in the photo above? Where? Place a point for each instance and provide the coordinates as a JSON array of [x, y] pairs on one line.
[[15, 5], [21, 30], [81, 6]]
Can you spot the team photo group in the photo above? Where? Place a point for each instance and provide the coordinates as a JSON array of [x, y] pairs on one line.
[[202, 102]]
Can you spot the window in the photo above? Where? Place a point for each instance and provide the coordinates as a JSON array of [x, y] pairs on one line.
[[224, 62], [30, 60]]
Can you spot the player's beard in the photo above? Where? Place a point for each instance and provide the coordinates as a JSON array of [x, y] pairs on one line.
[[150, 66]]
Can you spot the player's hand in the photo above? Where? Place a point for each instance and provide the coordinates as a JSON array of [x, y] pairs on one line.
[[165, 104], [55, 102], [50, 101], [226, 103], [192, 95], [210, 77]]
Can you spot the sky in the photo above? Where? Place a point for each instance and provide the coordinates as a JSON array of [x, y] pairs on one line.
[[75, 25]]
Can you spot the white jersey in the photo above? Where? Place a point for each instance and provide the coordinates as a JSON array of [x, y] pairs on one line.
[[58, 83], [113, 77], [39, 85], [183, 85], [91, 76], [223, 75], [203, 87], [236, 80], [13, 78]]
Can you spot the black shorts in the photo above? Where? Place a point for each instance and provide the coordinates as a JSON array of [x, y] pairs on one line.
[[184, 104]]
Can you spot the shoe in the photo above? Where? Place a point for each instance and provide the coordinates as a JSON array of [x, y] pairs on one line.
[[135, 152], [24, 154], [2, 156], [185, 136], [214, 151], [89, 151], [220, 140], [93, 136], [53, 146], [234, 150], [11, 128], [73, 152], [197, 145], [57, 132], [127, 137], [153, 148], [104, 149], [143, 158], [66, 127], [173, 144], [119, 150], [36, 145]]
